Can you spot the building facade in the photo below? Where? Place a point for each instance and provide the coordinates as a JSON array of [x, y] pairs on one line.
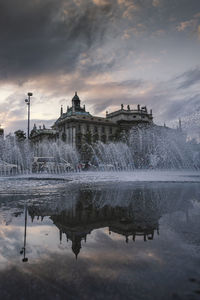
[[77, 127]]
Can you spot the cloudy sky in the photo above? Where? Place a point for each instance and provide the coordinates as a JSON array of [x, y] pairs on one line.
[[110, 51]]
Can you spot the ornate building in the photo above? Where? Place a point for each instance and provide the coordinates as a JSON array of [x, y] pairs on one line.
[[76, 126]]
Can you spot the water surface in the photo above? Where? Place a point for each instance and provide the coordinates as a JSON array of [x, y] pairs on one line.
[[98, 240]]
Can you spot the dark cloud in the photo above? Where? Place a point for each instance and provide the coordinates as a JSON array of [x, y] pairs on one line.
[[189, 78], [43, 36], [122, 84]]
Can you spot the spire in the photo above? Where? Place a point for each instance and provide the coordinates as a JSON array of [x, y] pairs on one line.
[[61, 111], [76, 245], [76, 97], [75, 102]]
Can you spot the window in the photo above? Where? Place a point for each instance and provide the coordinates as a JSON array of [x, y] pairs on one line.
[[103, 138], [103, 129], [88, 127], [95, 129], [110, 130], [95, 138]]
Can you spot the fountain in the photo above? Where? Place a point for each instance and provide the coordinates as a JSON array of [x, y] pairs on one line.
[[146, 148], [142, 147], [13, 153], [20, 155], [166, 149]]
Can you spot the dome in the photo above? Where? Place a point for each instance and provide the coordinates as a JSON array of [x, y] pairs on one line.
[[76, 97]]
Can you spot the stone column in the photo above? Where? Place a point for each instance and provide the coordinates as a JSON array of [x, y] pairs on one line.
[[74, 137], [71, 136]]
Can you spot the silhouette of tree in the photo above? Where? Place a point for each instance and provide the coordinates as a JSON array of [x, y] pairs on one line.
[[20, 135]]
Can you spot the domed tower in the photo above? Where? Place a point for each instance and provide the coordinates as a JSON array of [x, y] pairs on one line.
[[76, 102], [76, 245]]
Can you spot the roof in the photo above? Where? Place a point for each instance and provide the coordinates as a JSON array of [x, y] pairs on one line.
[[43, 132], [85, 118]]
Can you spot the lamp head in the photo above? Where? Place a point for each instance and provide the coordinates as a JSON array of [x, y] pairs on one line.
[[26, 100], [25, 259], [30, 94]]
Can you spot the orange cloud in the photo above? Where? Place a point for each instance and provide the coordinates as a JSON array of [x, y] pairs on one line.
[[156, 3], [192, 24], [101, 2], [183, 25], [130, 8], [137, 30]]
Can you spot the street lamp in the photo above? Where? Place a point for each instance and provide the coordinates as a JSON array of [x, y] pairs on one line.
[[23, 251], [28, 102]]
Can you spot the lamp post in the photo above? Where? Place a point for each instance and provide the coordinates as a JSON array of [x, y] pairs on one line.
[[28, 102], [23, 251]]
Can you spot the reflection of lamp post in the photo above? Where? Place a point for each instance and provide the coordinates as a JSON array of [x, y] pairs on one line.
[[28, 102], [23, 251]]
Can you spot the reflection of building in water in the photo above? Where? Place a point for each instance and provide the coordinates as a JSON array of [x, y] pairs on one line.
[[128, 211], [77, 223]]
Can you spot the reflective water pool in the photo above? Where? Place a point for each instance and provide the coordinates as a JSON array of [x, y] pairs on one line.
[[64, 239]]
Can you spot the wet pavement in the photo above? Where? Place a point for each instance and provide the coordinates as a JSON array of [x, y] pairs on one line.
[[70, 239]]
